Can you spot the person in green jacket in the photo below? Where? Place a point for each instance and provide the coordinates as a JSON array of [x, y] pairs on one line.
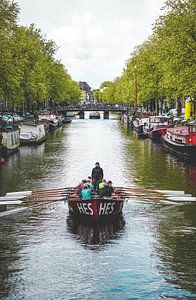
[[102, 184], [86, 193]]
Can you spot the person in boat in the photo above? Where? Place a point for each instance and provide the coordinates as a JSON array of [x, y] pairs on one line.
[[107, 190], [86, 192], [89, 182], [101, 185], [97, 175], [79, 187]]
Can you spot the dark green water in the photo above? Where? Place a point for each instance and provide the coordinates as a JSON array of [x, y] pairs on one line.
[[148, 253]]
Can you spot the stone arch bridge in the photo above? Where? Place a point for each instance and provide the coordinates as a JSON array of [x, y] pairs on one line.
[[81, 109]]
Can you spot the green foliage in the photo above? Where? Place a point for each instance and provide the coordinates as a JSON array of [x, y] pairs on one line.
[[29, 74], [97, 95], [163, 67]]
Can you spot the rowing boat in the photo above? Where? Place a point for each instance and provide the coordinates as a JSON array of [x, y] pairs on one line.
[[96, 207]]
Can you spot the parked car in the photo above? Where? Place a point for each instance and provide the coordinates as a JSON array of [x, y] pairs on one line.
[[174, 112], [179, 119], [17, 118]]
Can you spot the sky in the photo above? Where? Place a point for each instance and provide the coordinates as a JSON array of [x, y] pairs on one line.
[[94, 38]]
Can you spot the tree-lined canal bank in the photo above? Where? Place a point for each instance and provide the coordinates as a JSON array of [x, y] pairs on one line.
[[148, 254]]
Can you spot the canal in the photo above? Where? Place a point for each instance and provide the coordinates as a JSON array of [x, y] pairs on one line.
[[148, 253]]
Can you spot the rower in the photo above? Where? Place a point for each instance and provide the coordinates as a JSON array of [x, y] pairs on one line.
[[89, 182], [101, 185], [107, 190], [80, 186], [86, 193]]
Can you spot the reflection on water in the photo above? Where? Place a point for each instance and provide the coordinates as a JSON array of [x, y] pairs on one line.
[[148, 254], [177, 247], [90, 233], [154, 168]]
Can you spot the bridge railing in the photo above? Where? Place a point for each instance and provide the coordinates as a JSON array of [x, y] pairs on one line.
[[95, 107]]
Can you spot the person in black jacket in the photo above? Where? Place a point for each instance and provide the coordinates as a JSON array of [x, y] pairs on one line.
[[97, 175], [107, 190]]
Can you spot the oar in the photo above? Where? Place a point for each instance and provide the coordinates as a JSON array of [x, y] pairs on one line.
[[135, 189], [140, 194], [23, 193], [12, 211], [55, 189], [32, 200], [11, 202], [43, 196], [166, 202], [179, 195], [51, 194], [152, 196], [169, 192], [44, 201], [165, 192], [182, 199], [10, 198], [54, 193]]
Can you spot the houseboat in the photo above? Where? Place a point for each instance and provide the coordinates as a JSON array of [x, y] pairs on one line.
[[51, 119], [9, 140], [138, 126], [181, 140], [32, 133], [155, 126]]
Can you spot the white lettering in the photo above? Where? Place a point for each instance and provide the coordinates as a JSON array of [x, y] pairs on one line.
[[102, 208], [108, 208], [85, 208], [80, 207], [112, 207], [90, 209]]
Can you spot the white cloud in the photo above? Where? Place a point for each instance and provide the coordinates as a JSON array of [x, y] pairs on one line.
[[95, 38]]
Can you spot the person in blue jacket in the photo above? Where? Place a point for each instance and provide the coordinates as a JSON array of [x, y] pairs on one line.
[[86, 193]]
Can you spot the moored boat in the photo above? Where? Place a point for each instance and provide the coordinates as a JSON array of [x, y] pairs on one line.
[[138, 126], [32, 133], [94, 115], [181, 140], [67, 121], [51, 119], [155, 126], [10, 140]]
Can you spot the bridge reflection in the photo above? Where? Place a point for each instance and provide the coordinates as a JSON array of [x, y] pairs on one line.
[[100, 233]]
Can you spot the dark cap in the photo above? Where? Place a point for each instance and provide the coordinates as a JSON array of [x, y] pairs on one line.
[[97, 163]]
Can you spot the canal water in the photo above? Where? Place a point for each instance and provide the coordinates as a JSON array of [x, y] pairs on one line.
[[148, 253]]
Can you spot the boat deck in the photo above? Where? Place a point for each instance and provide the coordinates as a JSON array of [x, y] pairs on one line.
[[180, 130]]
